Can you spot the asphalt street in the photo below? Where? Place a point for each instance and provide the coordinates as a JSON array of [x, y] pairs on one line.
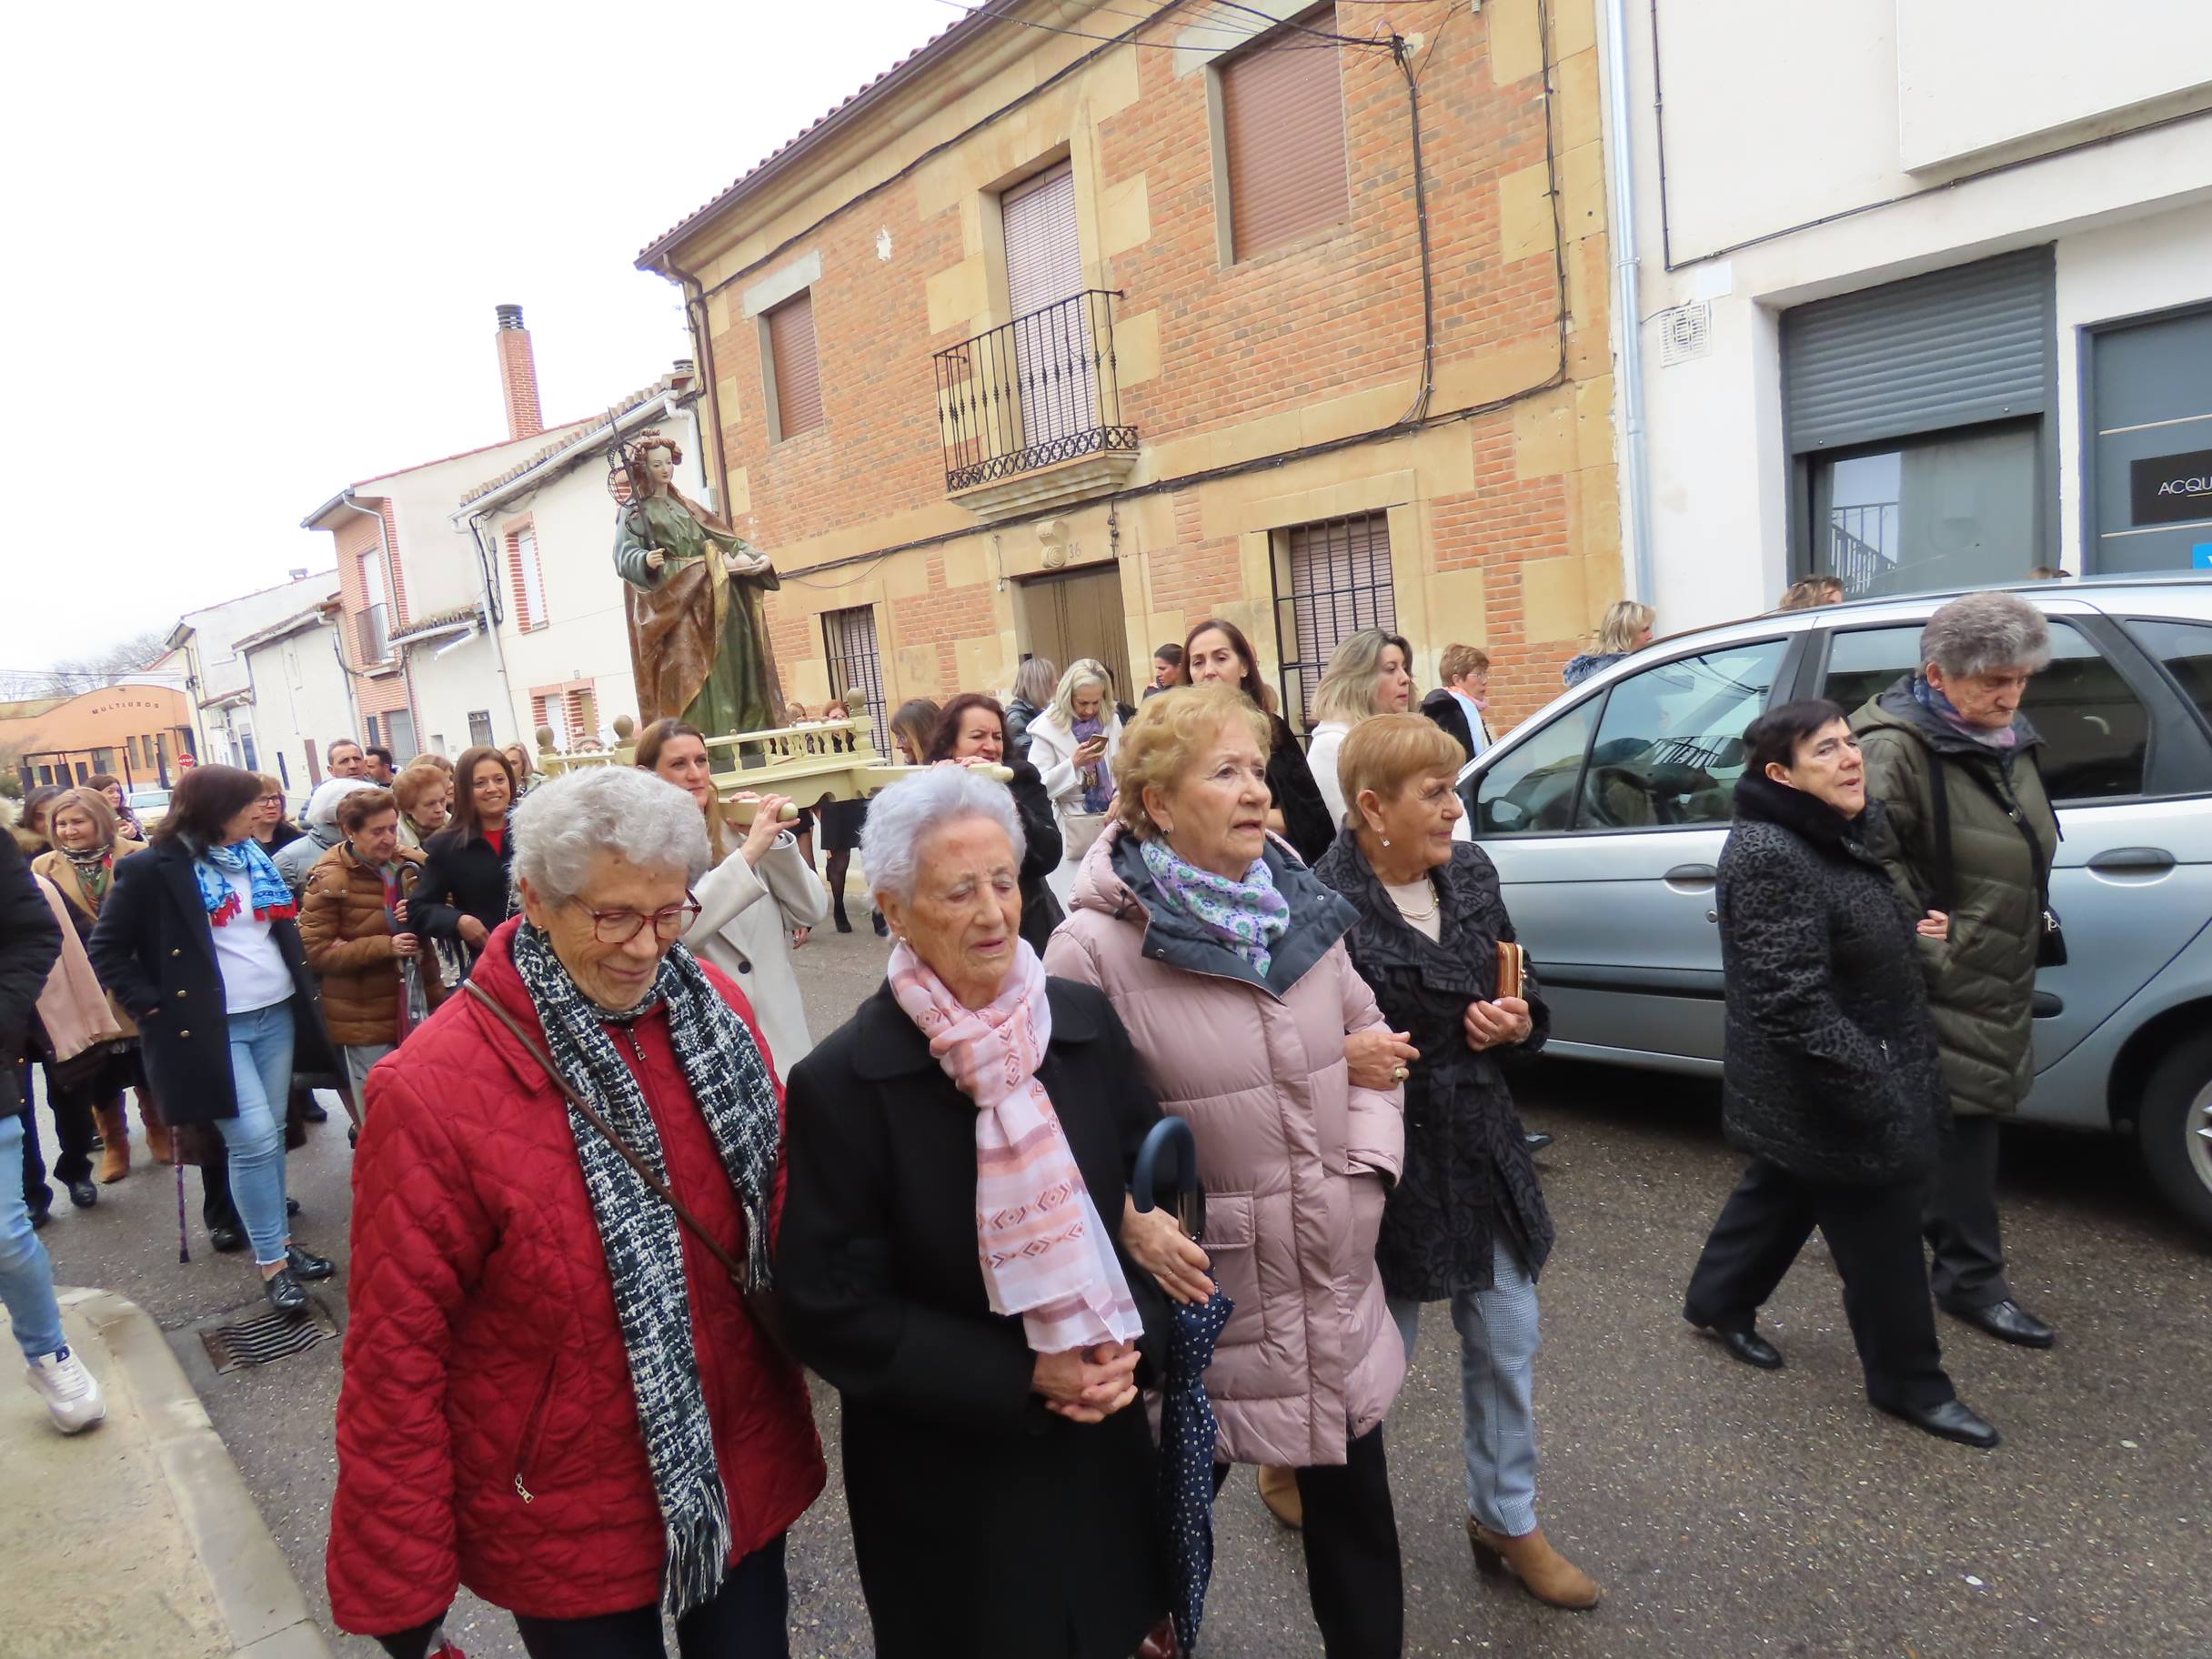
[[1725, 1510]]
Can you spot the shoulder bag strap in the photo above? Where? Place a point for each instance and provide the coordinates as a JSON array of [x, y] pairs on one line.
[[738, 1271]]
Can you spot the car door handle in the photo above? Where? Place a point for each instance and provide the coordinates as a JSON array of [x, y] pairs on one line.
[[1695, 877], [2132, 862]]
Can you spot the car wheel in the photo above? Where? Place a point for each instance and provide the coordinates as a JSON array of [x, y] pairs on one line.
[[2174, 1131]]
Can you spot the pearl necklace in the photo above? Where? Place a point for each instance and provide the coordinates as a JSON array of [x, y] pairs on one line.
[[1435, 903]]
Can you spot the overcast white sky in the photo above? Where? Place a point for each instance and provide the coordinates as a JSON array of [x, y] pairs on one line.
[[254, 249]]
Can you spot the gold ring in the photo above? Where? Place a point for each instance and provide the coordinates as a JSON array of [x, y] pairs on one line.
[[1398, 1072]]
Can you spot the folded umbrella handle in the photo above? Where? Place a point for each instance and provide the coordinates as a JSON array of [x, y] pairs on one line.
[[1167, 1162]]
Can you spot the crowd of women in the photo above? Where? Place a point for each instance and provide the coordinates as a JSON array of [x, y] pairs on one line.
[[612, 1197]]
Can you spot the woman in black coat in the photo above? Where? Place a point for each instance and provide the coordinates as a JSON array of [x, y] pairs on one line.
[[972, 729], [464, 890], [1001, 1495], [1466, 1223], [1832, 1082], [1218, 651], [223, 1020]]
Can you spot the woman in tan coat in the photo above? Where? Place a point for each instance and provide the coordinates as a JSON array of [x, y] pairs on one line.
[[87, 842], [353, 921], [1225, 958]]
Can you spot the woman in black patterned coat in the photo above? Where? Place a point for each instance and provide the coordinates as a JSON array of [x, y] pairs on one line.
[[1833, 1082], [1466, 1223]]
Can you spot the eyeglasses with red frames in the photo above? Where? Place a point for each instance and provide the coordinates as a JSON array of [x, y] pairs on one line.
[[619, 927]]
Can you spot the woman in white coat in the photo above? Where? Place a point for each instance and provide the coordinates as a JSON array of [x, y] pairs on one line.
[[758, 901], [1073, 744], [1369, 673]]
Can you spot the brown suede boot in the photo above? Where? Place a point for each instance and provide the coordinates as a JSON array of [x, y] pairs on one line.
[[1278, 1491], [157, 1145], [1543, 1571], [114, 1141]]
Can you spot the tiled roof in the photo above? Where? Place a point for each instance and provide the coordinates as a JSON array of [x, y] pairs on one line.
[[938, 42], [290, 625], [573, 440], [456, 455], [430, 624]]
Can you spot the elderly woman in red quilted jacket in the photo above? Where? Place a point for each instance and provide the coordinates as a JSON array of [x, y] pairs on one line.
[[555, 1390]]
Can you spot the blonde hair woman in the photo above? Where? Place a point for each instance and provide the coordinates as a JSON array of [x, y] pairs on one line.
[[1627, 627], [1370, 673], [1073, 744]]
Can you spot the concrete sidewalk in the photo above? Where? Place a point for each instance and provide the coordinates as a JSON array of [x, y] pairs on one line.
[[136, 1536]]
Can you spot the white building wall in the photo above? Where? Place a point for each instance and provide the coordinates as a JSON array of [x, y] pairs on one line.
[[298, 698], [210, 653], [1778, 119]]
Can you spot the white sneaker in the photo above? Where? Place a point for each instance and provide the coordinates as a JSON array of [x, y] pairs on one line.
[[71, 1393]]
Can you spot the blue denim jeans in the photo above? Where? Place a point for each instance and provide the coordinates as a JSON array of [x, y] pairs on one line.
[[27, 1275], [1498, 1334], [261, 1072]]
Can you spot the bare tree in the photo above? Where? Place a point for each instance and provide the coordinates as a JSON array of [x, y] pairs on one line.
[[71, 675]]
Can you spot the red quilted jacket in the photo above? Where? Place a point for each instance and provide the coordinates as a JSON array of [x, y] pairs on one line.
[[486, 1430]]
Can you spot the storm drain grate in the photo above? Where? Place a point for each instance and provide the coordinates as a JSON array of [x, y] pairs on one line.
[[268, 1337]]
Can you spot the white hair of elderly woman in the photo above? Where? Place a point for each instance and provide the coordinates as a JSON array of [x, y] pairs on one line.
[[914, 808], [1981, 633], [559, 827]]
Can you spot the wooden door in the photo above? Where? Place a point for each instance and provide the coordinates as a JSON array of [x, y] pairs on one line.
[[1077, 614]]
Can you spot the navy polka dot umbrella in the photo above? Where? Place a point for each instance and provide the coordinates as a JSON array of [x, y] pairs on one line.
[[1187, 1433]]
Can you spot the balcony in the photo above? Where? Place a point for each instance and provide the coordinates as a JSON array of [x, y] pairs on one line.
[[1031, 412], [372, 636]]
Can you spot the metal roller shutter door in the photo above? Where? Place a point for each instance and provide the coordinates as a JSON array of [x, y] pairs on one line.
[[1952, 348]]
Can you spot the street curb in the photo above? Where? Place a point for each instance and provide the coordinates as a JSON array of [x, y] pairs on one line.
[[258, 1599]]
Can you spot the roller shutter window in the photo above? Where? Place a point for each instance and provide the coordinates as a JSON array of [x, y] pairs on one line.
[[1044, 271], [1283, 124], [798, 381], [1956, 348]]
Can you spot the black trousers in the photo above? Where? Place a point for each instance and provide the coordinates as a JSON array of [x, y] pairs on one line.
[[1874, 1233], [1964, 1236], [73, 1128], [746, 1619], [1352, 1568]]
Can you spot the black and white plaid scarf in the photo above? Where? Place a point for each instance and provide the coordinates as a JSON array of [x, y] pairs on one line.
[[641, 1236]]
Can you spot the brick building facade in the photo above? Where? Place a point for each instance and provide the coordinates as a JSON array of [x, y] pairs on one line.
[[1057, 339]]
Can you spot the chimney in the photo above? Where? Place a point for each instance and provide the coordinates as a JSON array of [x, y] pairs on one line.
[[684, 371], [518, 374]]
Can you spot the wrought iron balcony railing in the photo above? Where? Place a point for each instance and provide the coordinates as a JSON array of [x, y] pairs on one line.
[[1039, 389]]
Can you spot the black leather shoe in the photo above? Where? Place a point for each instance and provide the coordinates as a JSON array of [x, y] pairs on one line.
[[2008, 1321], [39, 1218], [1748, 1346], [883, 928], [291, 1206], [1953, 1420], [314, 1112], [283, 1292], [1537, 1140], [226, 1239], [306, 1264], [82, 1192]]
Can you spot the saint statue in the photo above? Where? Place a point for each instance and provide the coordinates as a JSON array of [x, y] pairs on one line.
[[697, 642]]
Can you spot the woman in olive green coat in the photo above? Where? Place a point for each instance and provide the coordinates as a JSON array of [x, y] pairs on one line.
[[1972, 836]]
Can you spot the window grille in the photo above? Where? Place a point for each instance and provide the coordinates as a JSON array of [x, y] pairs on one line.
[[849, 638], [1331, 579]]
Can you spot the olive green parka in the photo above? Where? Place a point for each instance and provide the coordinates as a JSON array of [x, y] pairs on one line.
[[2003, 834]]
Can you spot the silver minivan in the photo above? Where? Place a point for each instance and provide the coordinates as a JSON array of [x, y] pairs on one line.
[[1605, 814]]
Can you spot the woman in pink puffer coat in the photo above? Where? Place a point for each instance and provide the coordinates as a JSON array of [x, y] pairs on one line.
[[1224, 958]]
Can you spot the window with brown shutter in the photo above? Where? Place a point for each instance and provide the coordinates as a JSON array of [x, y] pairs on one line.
[[1282, 135], [789, 328]]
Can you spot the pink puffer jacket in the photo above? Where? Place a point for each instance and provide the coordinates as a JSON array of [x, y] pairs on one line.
[[1296, 1161]]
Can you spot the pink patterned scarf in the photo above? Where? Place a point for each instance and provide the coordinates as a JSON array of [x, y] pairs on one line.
[[1046, 1254]]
